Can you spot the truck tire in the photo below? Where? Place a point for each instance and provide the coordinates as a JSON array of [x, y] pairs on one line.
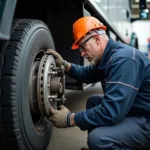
[[20, 130]]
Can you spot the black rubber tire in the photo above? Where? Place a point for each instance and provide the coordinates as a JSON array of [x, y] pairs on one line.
[[18, 130]]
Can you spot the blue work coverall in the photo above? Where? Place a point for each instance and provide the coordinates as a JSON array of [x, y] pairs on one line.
[[119, 120]]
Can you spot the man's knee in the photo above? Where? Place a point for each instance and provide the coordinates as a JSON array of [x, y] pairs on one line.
[[89, 102], [97, 141], [93, 100], [92, 140]]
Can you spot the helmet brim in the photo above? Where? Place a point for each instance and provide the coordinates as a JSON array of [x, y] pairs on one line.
[[75, 46]]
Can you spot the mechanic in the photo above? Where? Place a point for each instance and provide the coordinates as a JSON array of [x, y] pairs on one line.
[[121, 118]]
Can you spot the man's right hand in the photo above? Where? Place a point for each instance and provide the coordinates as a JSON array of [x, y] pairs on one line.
[[59, 60]]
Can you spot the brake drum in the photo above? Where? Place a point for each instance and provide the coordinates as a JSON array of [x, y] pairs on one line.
[[50, 85]]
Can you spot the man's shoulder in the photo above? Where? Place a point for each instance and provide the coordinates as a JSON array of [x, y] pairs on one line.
[[123, 50]]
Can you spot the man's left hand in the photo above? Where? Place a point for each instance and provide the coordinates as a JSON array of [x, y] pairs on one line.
[[59, 117]]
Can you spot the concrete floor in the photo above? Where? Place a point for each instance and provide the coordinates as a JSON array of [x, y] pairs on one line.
[[73, 138]]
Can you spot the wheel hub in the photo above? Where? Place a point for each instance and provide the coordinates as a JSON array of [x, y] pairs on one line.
[[50, 86]]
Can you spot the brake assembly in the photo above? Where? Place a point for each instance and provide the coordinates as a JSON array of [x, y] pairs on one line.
[[50, 85]]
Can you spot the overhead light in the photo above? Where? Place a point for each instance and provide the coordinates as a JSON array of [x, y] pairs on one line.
[[137, 1], [144, 14], [146, 10]]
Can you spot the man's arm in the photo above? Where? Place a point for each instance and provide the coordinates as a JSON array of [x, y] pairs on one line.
[[83, 74], [88, 74], [123, 82]]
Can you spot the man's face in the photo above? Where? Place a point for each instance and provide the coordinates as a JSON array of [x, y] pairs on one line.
[[90, 48]]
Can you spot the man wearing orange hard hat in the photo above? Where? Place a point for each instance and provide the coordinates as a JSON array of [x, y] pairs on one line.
[[121, 118]]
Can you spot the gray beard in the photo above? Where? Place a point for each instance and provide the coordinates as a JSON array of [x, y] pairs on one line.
[[95, 61]]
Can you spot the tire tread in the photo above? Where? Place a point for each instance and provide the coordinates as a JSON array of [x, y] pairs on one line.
[[10, 137]]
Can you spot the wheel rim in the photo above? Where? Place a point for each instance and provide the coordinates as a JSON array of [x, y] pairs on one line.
[[37, 117], [47, 88]]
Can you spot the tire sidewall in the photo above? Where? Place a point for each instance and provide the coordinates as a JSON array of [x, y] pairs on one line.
[[37, 38]]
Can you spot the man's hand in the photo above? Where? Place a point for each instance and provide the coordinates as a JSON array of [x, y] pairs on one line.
[[59, 117], [59, 60]]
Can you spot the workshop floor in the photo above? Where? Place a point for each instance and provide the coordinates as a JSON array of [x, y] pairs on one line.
[[73, 138]]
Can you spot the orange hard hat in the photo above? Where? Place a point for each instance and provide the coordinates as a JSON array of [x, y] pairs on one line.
[[82, 26]]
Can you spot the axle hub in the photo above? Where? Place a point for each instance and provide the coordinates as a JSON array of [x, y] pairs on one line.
[[50, 85]]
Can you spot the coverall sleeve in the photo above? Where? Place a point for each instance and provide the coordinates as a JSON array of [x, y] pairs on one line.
[[88, 74], [124, 78]]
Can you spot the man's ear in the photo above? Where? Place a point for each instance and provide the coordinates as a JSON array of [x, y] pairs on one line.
[[97, 39]]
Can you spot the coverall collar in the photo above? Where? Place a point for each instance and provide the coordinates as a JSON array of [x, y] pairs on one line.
[[106, 56]]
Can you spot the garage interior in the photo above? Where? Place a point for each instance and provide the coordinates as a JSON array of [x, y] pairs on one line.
[[30, 81], [74, 138]]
